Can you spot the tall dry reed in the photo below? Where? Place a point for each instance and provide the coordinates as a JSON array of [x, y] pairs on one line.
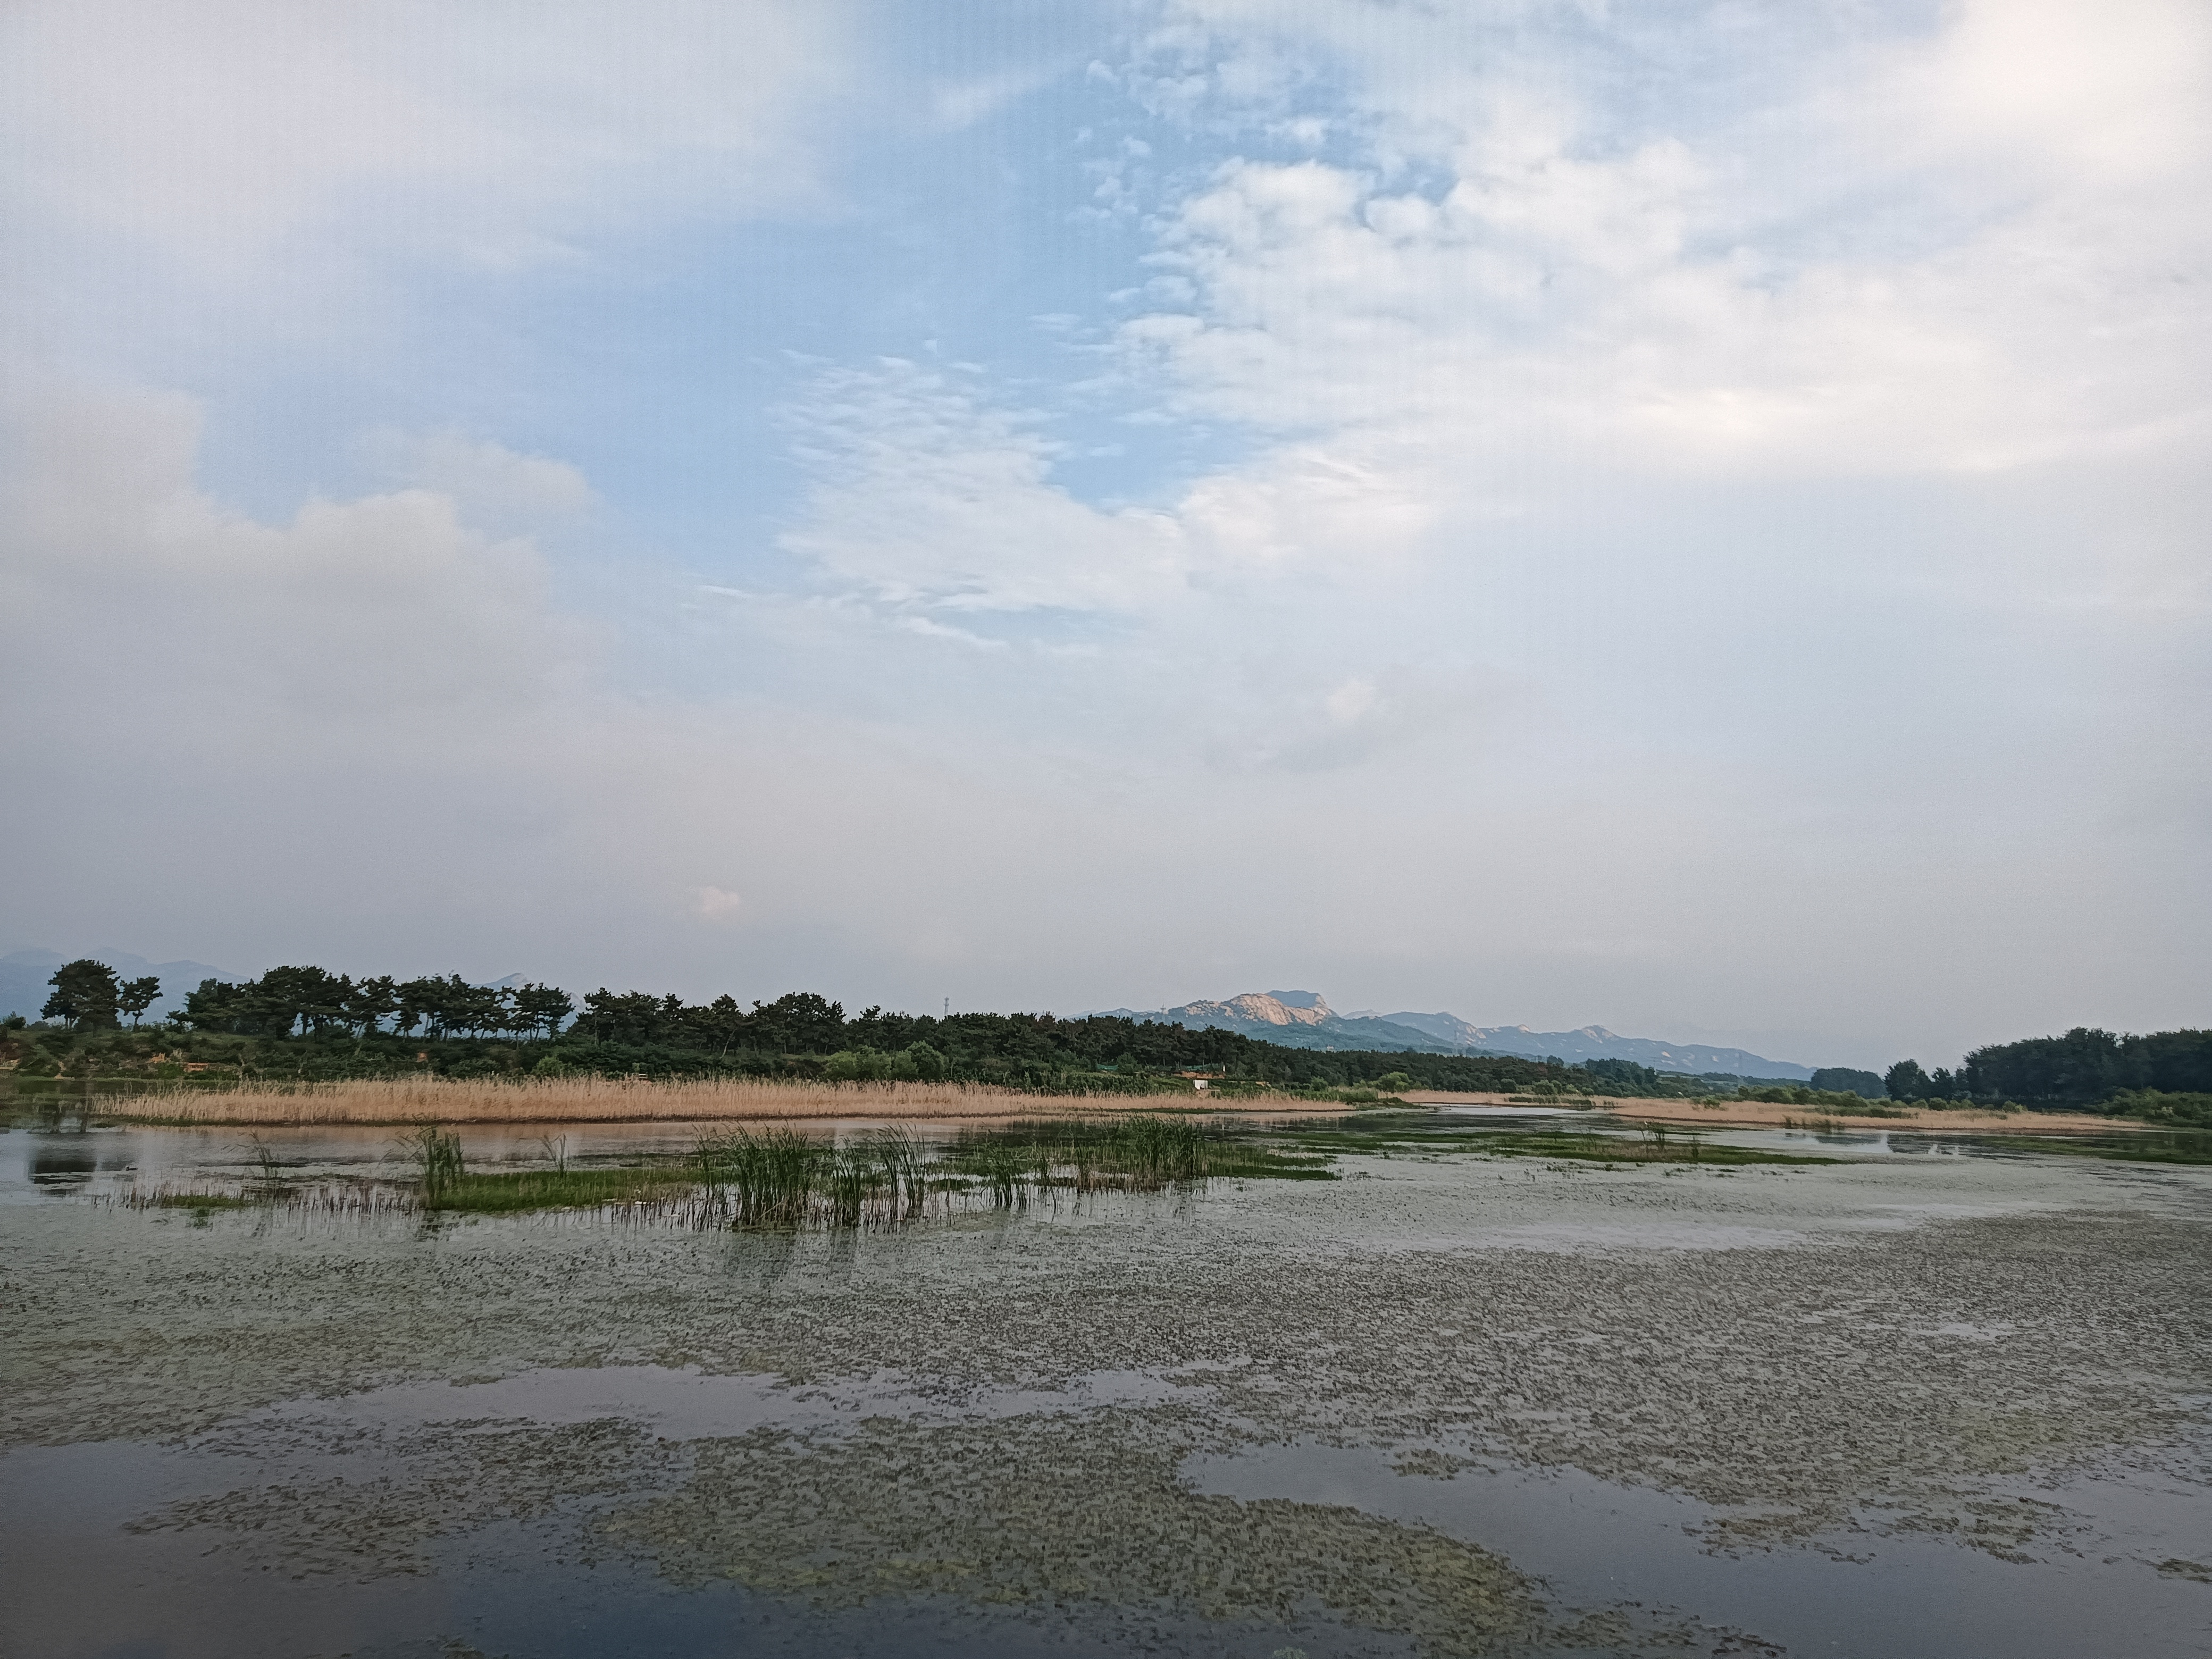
[[598, 1100]]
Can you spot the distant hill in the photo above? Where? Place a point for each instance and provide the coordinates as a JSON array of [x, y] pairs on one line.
[[1295, 1020], [24, 975], [1595, 1043], [1303, 1019]]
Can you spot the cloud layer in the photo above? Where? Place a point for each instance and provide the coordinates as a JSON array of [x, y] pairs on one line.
[[1695, 524]]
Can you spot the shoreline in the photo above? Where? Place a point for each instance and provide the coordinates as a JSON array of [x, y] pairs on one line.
[[413, 1102], [1775, 1115], [1782, 1114]]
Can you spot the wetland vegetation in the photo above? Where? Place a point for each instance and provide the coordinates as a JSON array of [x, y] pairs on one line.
[[1088, 1371], [774, 1177], [777, 1177]]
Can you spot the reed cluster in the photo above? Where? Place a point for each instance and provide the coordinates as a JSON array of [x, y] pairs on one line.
[[437, 1152], [585, 1099], [514, 1192], [1139, 1153], [778, 1178], [764, 1180]]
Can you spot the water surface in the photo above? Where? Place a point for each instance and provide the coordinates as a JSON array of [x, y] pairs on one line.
[[1935, 1398]]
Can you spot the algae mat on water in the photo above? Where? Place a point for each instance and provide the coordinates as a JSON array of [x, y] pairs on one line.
[[1853, 1368]]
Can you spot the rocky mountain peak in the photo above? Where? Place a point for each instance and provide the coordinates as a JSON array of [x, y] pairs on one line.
[[1264, 1008]]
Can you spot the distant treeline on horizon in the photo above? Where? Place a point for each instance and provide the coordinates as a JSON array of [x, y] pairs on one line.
[[638, 1031]]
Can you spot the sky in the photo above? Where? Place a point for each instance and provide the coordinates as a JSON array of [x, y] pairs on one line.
[[1690, 517]]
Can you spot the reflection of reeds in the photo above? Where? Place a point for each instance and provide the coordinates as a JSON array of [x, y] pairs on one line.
[[347, 1200], [1659, 1137], [510, 1192], [1140, 1152], [264, 1160], [174, 1198], [589, 1099], [998, 1166], [905, 1165], [775, 1178]]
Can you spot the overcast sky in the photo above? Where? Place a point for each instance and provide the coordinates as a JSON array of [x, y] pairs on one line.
[[1687, 516]]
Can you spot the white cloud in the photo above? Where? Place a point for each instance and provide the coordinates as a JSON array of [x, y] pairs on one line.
[[2009, 272], [219, 134], [364, 735], [1351, 702], [382, 614], [1704, 474], [491, 479], [2109, 94], [717, 904], [957, 104], [929, 495], [2010, 267]]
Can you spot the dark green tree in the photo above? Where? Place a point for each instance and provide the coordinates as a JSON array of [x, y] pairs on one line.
[[370, 1004], [1624, 1077], [85, 994], [310, 1000], [542, 1008], [722, 1022], [137, 996], [476, 1008], [799, 1023], [2086, 1066], [631, 1016], [1906, 1081], [215, 1006], [1841, 1080], [419, 1001], [452, 1006]]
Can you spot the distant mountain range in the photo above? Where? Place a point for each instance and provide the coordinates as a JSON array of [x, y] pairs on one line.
[[25, 976], [1302, 1019]]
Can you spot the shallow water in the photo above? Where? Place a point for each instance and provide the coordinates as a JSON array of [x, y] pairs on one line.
[[1918, 1402], [1595, 1541]]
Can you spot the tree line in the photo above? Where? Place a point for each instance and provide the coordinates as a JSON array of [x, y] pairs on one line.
[[312, 1002], [541, 1027], [2082, 1068], [642, 1031], [90, 995]]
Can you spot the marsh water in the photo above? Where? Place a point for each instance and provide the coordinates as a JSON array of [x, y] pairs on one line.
[[1936, 1396]]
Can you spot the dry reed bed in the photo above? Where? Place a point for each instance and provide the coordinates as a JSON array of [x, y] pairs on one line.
[[614, 1100]]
